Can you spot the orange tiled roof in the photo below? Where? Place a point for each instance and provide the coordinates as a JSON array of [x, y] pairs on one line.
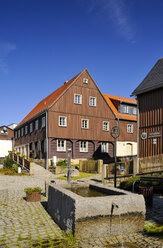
[[48, 101], [122, 99], [115, 110]]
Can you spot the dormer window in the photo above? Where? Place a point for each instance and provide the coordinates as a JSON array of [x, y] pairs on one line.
[[85, 80], [134, 111], [125, 109]]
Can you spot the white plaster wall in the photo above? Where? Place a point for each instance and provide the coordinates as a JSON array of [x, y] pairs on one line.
[[5, 146], [122, 148]]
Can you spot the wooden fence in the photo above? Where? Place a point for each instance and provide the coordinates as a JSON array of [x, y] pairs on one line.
[[90, 166]]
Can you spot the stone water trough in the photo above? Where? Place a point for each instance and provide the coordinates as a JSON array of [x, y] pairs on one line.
[[95, 210]]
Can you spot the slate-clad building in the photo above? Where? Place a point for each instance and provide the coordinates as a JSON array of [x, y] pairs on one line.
[[75, 116], [150, 101]]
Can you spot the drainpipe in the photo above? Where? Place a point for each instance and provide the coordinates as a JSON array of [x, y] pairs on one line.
[[137, 133], [47, 150]]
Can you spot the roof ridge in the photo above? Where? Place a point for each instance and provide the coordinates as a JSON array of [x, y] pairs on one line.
[[48, 100]]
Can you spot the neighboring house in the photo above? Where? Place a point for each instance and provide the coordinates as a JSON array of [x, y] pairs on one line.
[[12, 126], [75, 116], [150, 101], [6, 141], [125, 111]]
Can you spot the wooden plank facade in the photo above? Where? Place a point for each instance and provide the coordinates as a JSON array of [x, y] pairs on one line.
[[151, 122], [78, 117], [150, 101]]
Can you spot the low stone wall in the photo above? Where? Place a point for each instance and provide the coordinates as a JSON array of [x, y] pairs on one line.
[[3, 195], [120, 212], [149, 164]]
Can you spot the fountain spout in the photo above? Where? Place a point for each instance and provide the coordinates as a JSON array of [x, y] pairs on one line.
[[113, 205]]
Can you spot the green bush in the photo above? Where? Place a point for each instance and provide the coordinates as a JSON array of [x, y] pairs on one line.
[[15, 168], [128, 183], [8, 162], [62, 162]]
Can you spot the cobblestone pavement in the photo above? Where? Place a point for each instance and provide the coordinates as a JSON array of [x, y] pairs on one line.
[[23, 224]]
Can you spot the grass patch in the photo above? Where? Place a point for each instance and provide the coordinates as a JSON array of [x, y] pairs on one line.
[[20, 238], [81, 175], [154, 229], [11, 172]]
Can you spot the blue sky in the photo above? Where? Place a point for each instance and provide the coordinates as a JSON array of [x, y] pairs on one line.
[[46, 42]]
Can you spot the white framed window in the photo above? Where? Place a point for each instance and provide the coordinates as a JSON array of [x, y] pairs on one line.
[[104, 147], [85, 123], [83, 146], [19, 133], [85, 80], [77, 99], [125, 109], [22, 131], [61, 145], [31, 127], [92, 101], [62, 121], [129, 128], [26, 130], [36, 125], [105, 126], [43, 122], [134, 111]]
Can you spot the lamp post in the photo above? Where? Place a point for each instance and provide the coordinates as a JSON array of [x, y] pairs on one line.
[[115, 134], [68, 164]]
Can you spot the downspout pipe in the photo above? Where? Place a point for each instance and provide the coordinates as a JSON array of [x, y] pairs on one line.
[[137, 135], [47, 146]]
